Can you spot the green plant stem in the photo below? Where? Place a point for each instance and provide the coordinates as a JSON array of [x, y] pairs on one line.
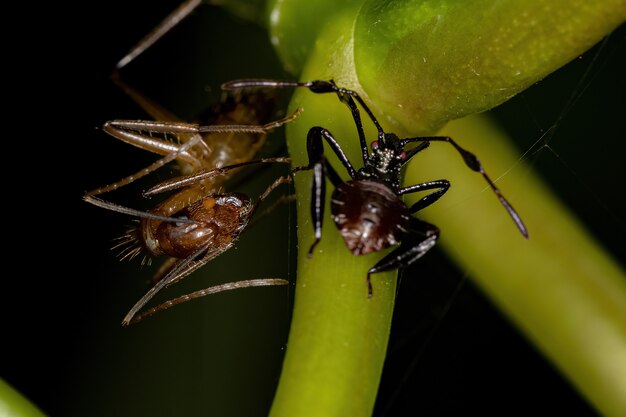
[[559, 287], [338, 336], [13, 404]]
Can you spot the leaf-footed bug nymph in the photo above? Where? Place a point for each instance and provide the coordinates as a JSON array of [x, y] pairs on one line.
[[367, 209]]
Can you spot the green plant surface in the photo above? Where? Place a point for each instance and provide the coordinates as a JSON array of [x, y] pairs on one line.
[[13, 404], [478, 54], [559, 288]]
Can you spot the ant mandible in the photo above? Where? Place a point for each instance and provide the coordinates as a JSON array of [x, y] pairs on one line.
[[367, 209]]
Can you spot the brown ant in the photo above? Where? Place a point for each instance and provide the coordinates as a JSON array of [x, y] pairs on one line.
[[367, 209], [195, 234], [196, 223]]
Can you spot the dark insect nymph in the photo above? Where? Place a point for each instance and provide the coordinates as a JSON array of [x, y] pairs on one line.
[[368, 209]]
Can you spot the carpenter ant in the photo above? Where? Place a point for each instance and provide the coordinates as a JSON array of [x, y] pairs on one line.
[[197, 223], [195, 234], [367, 209]]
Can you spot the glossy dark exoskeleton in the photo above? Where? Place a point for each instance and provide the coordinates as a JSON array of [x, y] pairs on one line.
[[368, 209]]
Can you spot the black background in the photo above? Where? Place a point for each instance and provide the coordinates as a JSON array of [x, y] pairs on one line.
[[65, 293]]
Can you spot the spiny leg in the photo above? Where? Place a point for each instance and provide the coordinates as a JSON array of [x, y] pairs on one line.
[[282, 200], [182, 149], [317, 86], [122, 129], [322, 87], [155, 110], [157, 33], [176, 183], [268, 191], [207, 291], [186, 266], [180, 270], [139, 133], [420, 238], [132, 212], [128, 131], [474, 164], [164, 268]]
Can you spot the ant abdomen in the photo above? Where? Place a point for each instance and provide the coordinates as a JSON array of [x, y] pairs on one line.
[[219, 218]]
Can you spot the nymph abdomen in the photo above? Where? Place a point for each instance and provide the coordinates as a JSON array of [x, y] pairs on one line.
[[369, 215]]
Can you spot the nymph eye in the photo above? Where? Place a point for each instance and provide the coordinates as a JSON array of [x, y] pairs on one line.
[[402, 156], [374, 145]]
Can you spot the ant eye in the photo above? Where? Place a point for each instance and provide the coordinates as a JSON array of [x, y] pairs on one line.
[[374, 145]]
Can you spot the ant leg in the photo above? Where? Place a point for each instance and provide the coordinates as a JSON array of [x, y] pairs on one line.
[[211, 290], [164, 268], [442, 185], [147, 170], [421, 237], [139, 132], [186, 266], [321, 87], [317, 86], [282, 200], [179, 270], [132, 212], [268, 190], [155, 110], [157, 33], [130, 131], [474, 164], [185, 181]]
